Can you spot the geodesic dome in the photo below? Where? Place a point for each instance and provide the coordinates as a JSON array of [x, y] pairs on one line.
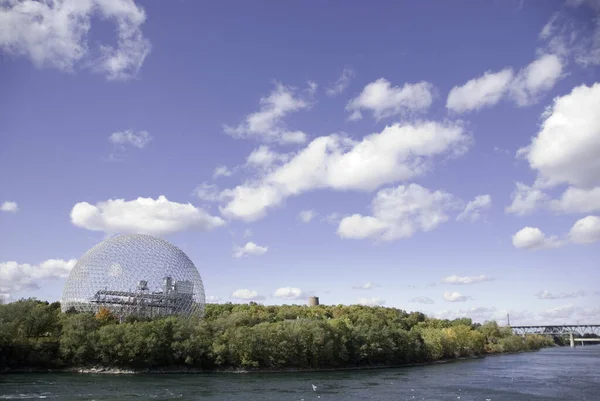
[[135, 274]]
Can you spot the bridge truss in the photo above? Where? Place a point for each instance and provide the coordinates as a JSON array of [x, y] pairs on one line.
[[580, 330]]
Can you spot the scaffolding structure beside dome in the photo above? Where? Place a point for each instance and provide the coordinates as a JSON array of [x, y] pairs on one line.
[[135, 274]]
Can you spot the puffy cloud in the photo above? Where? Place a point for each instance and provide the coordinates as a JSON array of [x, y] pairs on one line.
[[16, 277], [54, 33], [128, 137], [385, 100], [474, 208], [577, 200], [375, 301], [477, 93], [9, 207], [365, 286], [307, 215], [399, 152], [563, 295], [290, 293], [250, 248], [264, 158], [212, 299], [399, 213], [267, 123], [538, 77], [142, 215], [526, 199], [566, 149], [422, 300], [342, 83], [247, 295], [586, 230], [523, 88], [534, 238], [455, 297], [466, 279]]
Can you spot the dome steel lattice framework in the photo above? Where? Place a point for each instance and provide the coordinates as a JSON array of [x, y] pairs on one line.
[[135, 274]]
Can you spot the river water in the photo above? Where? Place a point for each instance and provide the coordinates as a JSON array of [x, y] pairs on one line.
[[563, 374]]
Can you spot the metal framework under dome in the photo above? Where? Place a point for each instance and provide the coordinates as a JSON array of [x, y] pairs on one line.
[[135, 274]]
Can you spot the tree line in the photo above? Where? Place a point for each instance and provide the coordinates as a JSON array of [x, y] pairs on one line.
[[35, 334]]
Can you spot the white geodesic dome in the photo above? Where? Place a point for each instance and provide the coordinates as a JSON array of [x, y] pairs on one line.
[[135, 274]]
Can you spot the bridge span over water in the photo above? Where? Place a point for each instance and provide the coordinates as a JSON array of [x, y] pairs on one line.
[[576, 332]]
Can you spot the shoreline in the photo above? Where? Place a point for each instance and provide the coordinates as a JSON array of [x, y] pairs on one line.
[[182, 370]]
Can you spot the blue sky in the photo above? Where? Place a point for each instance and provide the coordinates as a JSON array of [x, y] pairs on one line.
[[432, 156]]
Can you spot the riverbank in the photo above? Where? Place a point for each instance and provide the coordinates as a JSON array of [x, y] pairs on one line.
[[185, 370]]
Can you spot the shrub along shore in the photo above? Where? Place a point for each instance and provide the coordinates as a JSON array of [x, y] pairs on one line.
[[35, 335]]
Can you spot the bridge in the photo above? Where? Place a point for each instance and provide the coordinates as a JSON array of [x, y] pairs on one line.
[[558, 330]]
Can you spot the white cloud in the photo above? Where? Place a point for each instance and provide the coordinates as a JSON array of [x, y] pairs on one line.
[[578, 200], [142, 215], [342, 83], [526, 199], [549, 28], [399, 213], [455, 297], [384, 100], [9, 207], [566, 149], [477, 314], [586, 230], [422, 300], [128, 137], [524, 87], [474, 208], [247, 233], [222, 171], [54, 33], [538, 77], [16, 277], [213, 299], [563, 295], [399, 152], [250, 248], [566, 311], [267, 123], [264, 158], [208, 192], [307, 215], [534, 238], [332, 218], [477, 93], [290, 293], [466, 279], [247, 295], [365, 286], [570, 35], [375, 301]]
